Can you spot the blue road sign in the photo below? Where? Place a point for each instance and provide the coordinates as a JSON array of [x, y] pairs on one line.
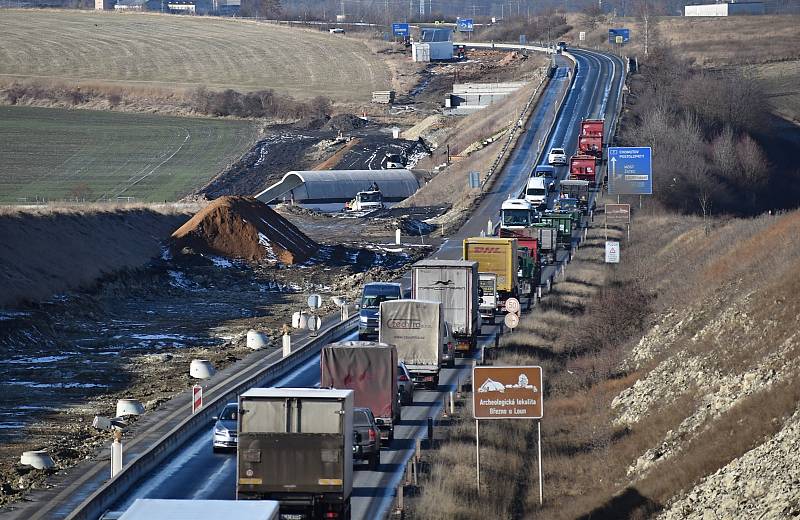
[[465, 25], [400, 29], [624, 33], [630, 171]]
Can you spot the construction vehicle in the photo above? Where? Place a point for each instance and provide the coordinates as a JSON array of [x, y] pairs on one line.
[[369, 200], [296, 447]]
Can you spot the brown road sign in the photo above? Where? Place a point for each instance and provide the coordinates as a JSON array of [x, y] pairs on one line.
[[618, 212], [507, 392]]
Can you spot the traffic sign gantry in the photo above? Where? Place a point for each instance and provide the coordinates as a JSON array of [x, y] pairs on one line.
[[507, 392], [630, 171]]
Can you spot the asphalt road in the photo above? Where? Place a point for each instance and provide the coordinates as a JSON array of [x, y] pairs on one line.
[[196, 472]]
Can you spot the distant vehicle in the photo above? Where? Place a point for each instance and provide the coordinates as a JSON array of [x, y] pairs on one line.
[[225, 429], [454, 283], [416, 328], [405, 385], [557, 156], [548, 172], [500, 256], [365, 201], [372, 295], [521, 213], [448, 347], [488, 295], [336, 30], [583, 168], [394, 161], [536, 191], [590, 139], [299, 450], [562, 46], [368, 369], [367, 439]]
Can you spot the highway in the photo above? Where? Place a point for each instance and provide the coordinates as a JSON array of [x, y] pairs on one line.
[[193, 471]]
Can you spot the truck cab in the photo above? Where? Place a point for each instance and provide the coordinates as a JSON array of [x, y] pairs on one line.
[[372, 295], [366, 201], [488, 295], [517, 214], [536, 191]]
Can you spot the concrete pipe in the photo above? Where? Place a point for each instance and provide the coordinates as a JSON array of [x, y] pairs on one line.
[[129, 407], [201, 369], [38, 459], [257, 340], [299, 320]]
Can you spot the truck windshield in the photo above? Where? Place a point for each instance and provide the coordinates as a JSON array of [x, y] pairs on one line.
[[370, 196], [536, 191], [373, 296], [487, 285], [516, 217]]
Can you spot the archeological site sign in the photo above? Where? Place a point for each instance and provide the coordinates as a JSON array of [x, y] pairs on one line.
[[507, 392]]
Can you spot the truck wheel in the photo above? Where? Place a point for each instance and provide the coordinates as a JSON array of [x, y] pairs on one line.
[[451, 363], [375, 461]]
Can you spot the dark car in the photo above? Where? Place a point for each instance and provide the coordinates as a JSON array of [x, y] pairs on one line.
[[366, 438], [405, 385], [226, 428], [372, 295]]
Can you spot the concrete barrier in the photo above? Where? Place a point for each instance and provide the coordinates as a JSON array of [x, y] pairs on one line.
[[113, 490]]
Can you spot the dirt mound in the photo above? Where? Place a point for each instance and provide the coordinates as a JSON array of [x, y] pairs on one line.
[[243, 228], [345, 123]]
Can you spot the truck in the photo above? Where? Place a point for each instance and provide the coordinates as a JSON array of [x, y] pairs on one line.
[[518, 213], [416, 328], [500, 256], [547, 240], [372, 294], [369, 200], [583, 168], [369, 369], [517, 217], [487, 295], [580, 190], [171, 509], [296, 447], [455, 284], [590, 139], [563, 222]]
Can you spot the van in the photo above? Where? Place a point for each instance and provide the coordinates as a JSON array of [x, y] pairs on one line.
[[372, 295], [545, 171], [536, 191]]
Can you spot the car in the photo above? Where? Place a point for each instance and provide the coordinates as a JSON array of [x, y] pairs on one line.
[[448, 347], [562, 46], [226, 427], [405, 385], [372, 294], [336, 30], [366, 438], [557, 156]]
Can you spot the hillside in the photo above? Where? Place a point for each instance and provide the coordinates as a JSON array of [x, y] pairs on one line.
[[150, 51], [672, 384], [56, 154]]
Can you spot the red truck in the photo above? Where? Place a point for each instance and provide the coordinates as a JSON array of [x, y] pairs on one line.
[[583, 168], [590, 139]]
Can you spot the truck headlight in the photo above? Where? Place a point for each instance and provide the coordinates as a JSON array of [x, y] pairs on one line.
[[363, 319]]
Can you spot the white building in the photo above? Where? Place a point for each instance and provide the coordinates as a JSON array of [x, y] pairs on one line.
[[440, 42], [725, 9]]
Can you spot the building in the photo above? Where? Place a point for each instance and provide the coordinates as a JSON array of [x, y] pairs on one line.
[[725, 9], [440, 42], [182, 6], [130, 5]]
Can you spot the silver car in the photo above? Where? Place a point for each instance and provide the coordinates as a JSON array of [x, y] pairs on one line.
[[225, 434]]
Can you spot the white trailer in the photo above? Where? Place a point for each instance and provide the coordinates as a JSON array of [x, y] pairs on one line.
[[162, 509], [416, 328]]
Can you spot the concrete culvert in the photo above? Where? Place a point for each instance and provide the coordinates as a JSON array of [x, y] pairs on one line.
[[202, 368], [38, 459], [129, 407], [299, 320], [257, 340]]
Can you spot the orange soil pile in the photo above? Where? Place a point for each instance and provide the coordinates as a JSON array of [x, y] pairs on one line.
[[243, 228]]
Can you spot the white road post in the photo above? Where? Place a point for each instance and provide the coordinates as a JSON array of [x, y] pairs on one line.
[[477, 456], [116, 454], [541, 484], [489, 228], [397, 236], [287, 345]]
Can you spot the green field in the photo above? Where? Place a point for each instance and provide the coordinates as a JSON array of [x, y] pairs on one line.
[[165, 51], [57, 154]]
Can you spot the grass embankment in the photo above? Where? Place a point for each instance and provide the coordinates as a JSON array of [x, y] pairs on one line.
[[633, 422], [56, 154], [175, 53]]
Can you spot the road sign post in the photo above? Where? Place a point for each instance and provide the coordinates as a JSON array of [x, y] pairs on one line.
[[513, 306], [630, 171], [512, 392], [400, 29], [511, 320]]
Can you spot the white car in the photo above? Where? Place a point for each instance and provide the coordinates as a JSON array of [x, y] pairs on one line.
[[557, 156]]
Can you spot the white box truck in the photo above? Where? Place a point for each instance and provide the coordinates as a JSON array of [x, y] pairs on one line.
[[455, 284], [165, 509], [296, 447], [416, 329]]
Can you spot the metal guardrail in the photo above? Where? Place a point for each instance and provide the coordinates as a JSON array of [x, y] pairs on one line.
[[112, 491]]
